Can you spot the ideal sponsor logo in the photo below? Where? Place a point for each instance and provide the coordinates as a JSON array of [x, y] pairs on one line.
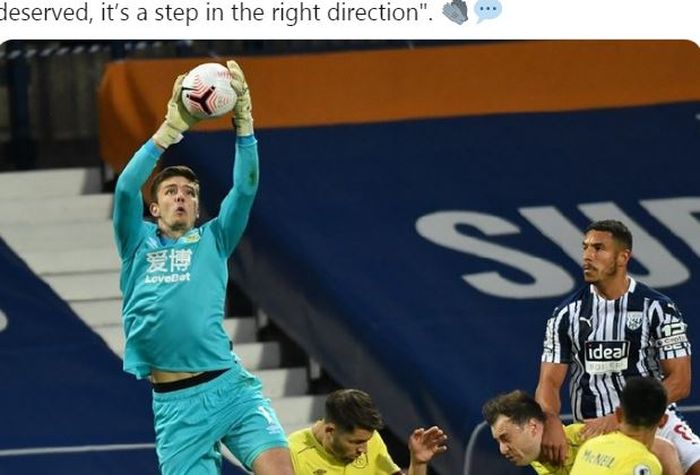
[[550, 279], [606, 350], [604, 357]]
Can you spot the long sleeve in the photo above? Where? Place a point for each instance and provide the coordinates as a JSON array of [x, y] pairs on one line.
[[235, 208], [557, 345], [128, 201]]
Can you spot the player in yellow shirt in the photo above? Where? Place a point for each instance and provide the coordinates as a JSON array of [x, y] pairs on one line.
[[573, 437], [628, 451], [516, 421], [517, 424], [615, 454], [346, 441]]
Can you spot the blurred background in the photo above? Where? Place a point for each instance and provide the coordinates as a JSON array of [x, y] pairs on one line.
[[419, 217]]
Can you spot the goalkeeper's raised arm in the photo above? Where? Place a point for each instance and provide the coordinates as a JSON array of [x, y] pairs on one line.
[[174, 273]]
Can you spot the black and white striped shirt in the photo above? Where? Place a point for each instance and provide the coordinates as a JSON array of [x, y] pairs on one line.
[[604, 342]]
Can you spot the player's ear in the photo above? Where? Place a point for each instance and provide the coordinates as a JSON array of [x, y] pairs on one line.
[[155, 210], [663, 420], [532, 425], [329, 428], [623, 257], [619, 414]]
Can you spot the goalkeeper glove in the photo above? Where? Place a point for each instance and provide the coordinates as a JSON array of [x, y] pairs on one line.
[[177, 119], [242, 111]]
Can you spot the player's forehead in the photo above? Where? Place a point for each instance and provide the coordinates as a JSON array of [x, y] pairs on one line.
[[177, 181], [503, 426], [358, 435], [598, 237]]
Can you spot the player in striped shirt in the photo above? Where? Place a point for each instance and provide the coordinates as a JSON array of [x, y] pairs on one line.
[[612, 329]]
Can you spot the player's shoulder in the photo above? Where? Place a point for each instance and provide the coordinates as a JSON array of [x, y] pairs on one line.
[[376, 441], [205, 231], [623, 446], [300, 440], [576, 296], [647, 292], [626, 455], [610, 444], [148, 233], [206, 225], [640, 462], [543, 469], [573, 433]]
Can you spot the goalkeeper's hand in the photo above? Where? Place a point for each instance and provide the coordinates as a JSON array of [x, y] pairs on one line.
[[177, 119], [242, 111]]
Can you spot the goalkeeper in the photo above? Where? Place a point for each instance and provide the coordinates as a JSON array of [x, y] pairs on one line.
[[173, 278]]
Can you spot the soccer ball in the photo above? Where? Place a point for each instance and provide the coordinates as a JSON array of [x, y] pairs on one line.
[[207, 91]]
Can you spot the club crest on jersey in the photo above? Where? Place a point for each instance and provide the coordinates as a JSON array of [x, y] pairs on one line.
[[642, 469], [361, 462], [191, 237], [604, 357], [634, 320]]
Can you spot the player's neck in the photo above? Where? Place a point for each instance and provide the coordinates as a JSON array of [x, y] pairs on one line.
[[645, 436], [170, 233], [614, 288], [318, 433]]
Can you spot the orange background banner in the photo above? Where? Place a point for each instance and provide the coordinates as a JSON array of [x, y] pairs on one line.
[[428, 82]]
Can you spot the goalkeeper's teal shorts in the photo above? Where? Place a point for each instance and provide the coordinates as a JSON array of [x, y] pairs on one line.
[[230, 409]]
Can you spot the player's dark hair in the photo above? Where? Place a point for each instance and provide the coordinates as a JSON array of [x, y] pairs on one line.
[[350, 409], [643, 402], [165, 173], [619, 231], [517, 405]]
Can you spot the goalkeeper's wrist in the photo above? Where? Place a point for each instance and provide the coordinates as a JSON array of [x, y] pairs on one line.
[[244, 127], [166, 135]]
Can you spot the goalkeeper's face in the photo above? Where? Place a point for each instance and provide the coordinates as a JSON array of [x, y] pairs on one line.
[[177, 207]]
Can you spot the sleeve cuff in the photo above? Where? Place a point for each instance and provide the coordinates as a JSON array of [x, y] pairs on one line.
[[246, 140], [151, 148]]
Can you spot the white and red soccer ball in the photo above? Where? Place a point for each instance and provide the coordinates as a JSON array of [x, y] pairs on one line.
[[207, 91]]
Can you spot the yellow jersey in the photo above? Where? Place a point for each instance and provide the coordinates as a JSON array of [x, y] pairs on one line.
[[310, 458], [615, 454], [573, 436]]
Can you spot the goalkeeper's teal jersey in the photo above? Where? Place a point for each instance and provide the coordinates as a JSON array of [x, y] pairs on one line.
[[174, 291]]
